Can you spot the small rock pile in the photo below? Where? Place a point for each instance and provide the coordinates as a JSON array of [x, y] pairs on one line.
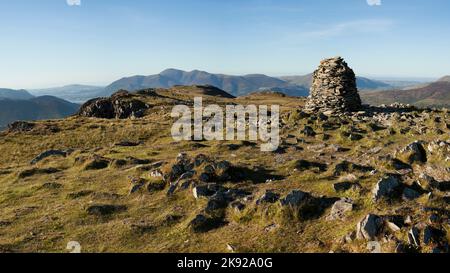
[[334, 88]]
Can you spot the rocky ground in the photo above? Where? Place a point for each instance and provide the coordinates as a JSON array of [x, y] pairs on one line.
[[114, 180]]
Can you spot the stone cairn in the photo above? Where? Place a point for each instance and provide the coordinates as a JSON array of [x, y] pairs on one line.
[[333, 88]]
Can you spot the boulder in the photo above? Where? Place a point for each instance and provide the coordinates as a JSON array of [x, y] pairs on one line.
[[294, 198], [268, 197], [387, 187], [20, 127], [369, 228], [50, 153], [120, 105], [414, 153], [340, 208], [410, 194]]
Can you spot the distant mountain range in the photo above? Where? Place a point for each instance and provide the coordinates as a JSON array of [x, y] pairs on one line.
[[364, 84], [14, 94], [36, 108], [23, 105], [235, 85], [435, 94]]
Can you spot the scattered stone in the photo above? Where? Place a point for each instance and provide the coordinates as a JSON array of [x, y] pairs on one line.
[[127, 144], [392, 226], [399, 165], [294, 198], [156, 186], [204, 191], [340, 208], [303, 165], [50, 153], [21, 127], [414, 153], [432, 235], [308, 131], [386, 187], [201, 223], [36, 171], [156, 173], [51, 186], [216, 202], [103, 210], [345, 186], [79, 194], [369, 227], [137, 184], [231, 248], [346, 166], [428, 183], [413, 237], [268, 197], [410, 194], [434, 218], [237, 206]]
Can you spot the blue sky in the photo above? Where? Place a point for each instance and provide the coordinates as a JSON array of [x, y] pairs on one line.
[[50, 43]]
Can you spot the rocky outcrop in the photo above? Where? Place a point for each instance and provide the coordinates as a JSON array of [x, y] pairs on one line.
[[334, 88], [21, 126], [121, 105]]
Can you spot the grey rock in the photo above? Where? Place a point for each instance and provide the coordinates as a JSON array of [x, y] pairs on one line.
[[345, 186], [410, 194], [369, 228], [294, 198], [413, 236], [415, 152], [386, 187], [202, 191], [268, 197], [340, 208], [50, 153]]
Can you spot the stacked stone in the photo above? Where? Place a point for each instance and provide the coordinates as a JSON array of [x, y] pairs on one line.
[[333, 88]]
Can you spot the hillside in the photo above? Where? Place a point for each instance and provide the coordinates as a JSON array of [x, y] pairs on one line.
[[45, 107], [434, 94], [235, 85], [363, 84], [124, 185], [74, 93], [14, 94], [444, 79]]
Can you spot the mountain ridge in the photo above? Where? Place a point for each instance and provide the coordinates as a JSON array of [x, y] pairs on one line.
[[434, 94], [37, 108], [14, 94]]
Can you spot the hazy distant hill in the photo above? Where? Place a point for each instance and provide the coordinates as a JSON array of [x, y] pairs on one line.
[[444, 79], [363, 83], [434, 94], [14, 94], [45, 107], [74, 93], [235, 85]]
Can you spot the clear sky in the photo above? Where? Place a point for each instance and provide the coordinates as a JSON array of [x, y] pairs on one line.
[[50, 43]]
